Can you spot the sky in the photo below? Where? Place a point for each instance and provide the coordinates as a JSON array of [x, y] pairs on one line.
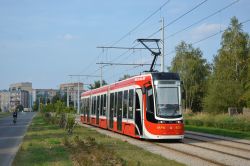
[[45, 41]]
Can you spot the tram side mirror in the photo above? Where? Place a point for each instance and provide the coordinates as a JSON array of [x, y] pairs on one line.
[[143, 89]]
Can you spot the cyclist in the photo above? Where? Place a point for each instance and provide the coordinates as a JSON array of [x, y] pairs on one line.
[[14, 116]]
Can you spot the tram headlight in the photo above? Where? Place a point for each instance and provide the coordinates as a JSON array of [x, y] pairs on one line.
[[179, 121]]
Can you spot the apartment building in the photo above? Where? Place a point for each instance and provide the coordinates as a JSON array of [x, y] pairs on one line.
[[4, 100]]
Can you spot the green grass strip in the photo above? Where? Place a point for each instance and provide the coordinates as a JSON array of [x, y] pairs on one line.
[[44, 144], [217, 131]]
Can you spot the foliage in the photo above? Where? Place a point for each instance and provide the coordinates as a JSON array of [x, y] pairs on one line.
[[42, 146], [19, 107], [223, 121], [126, 76], [246, 95], [96, 84], [228, 81], [35, 106], [70, 124], [62, 120], [59, 97], [45, 144], [193, 70]]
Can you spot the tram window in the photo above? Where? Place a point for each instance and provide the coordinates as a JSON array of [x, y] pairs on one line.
[[130, 104], [98, 105], [150, 100], [119, 102], [101, 111], [87, 105], [115, 111], [104, 105], [82, 106], [112, 102], [94, 108], [125, 104]]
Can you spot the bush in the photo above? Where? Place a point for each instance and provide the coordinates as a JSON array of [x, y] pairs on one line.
[[238, 122], [62, 121], [70, 124]]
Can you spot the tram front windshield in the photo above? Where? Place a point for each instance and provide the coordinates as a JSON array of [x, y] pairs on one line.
[[167, 102]]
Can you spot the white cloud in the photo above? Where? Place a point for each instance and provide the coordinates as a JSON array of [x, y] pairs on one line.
[[68, 37], [205, 30]]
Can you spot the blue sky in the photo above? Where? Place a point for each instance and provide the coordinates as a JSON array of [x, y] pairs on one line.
[[44, 41]]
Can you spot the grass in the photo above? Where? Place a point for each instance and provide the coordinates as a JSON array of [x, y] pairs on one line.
[[42, 146], [4, 114], [217, 131], [46, 144], [237, 126]]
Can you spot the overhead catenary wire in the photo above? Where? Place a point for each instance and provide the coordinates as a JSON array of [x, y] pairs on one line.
[[208, 37], [141, 23], [170, 23], [196, 42], [204, 18]]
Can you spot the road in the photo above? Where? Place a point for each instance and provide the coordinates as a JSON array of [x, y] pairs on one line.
[[11, 135]]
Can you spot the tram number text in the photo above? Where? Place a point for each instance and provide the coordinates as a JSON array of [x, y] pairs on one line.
[[140, 79], [167, 128]]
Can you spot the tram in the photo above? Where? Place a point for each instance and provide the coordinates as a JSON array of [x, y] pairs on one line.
[[146, 106]]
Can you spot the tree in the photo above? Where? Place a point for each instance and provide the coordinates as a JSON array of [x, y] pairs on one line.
[[97, 84], [35, 106], [125, 77], [228, 80], [193, 70], [19, 107], [58, 97], [246, 95]]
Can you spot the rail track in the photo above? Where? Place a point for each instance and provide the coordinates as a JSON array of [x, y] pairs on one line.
[[196, 148], [212, 149]]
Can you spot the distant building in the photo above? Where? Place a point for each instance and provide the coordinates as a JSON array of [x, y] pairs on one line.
[[4, 100], [21, 93], [72, 89], [21, 86], [46, 94], [19, 97]]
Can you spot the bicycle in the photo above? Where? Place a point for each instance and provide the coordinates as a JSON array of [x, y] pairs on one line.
[[14, 120]]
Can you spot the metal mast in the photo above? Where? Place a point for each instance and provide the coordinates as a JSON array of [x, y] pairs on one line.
[[162, 50]]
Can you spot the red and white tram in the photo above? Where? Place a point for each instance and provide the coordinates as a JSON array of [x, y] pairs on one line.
[[146, 106]]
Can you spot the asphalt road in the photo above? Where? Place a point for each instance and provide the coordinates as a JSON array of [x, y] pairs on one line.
[[11, 136]]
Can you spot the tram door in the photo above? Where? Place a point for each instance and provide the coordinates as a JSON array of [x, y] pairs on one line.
[[98, 110], [111, 111], [119, 111], [88, 109], [138, 112]]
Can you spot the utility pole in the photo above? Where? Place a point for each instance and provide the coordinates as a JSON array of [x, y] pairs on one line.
[[67, 96], [162, 50], [101, 76], [78, 90], [78, 96]]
